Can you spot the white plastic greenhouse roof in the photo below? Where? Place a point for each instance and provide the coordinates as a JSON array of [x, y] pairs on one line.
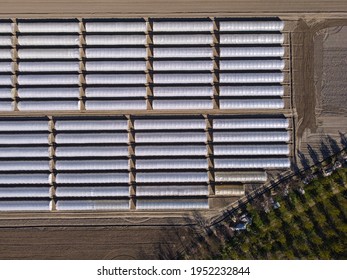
[[172, 190], [243, 177], [118, 164], [99, 191], [26, 205], [152, 164], [259, 123], [25, 192], [151, 204], [249, 163], [143, 113], [92, 205]]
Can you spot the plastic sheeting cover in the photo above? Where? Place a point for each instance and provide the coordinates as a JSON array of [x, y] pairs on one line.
[[11, 179], [182, 52], [167, 124], [244, 177], [21, 152], [48, 40], [251, 64], [116, 66], [182, 26], [122, 164], [179, 137], [187, 150], [92, 178], [72, 66], [252, 52], [24, 125], [24, 165], [48, 105], [6, 106], [109, 79], [6, 80], [116, 53], [250, 123], [6, 67], [63, 79], [248, 163], [116, 91], [90, 138], [92, 205], [172, 177], [183, 65], [6, 27], [5, 54], [251, 91], [182, 104], [116, 26], [263, 136], [183, 78], [49, 53], [251, 77], [172, 190], [171, 164], [192, 39], [91, 151], [48, 27], [5, 93], [58, 92], [25, 205], [6, 40], [92, 191], [221, 150], [182, 91], [251, 25], [99, 40], [251, 104], [240, 39], [146, 204], [24, 192], [71, 125], [116, 105], [19, 139]]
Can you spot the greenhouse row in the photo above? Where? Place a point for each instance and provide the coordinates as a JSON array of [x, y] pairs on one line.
[[141, 26], [117, 161], [138, 65]]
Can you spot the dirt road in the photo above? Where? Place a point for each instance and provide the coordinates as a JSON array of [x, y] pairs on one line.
[[128, 8]]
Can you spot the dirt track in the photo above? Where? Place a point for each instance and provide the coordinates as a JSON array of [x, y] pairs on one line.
[[127, 8]]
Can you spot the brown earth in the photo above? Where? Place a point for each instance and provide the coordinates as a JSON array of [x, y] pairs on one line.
[[91, 8], [319, 85], [94, 242]]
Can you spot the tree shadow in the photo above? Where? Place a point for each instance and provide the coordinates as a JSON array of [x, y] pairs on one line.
[[303, 160], [343, 140], [295, 166], [313, 154], [334, 145], [324, 149]]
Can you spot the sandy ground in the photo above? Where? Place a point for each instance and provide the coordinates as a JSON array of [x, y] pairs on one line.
[[95, 242], [319, 84], [42, 8], [103, 236]]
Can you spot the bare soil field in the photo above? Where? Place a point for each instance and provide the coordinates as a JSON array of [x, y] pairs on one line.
[[120, 242], [319, 85]]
